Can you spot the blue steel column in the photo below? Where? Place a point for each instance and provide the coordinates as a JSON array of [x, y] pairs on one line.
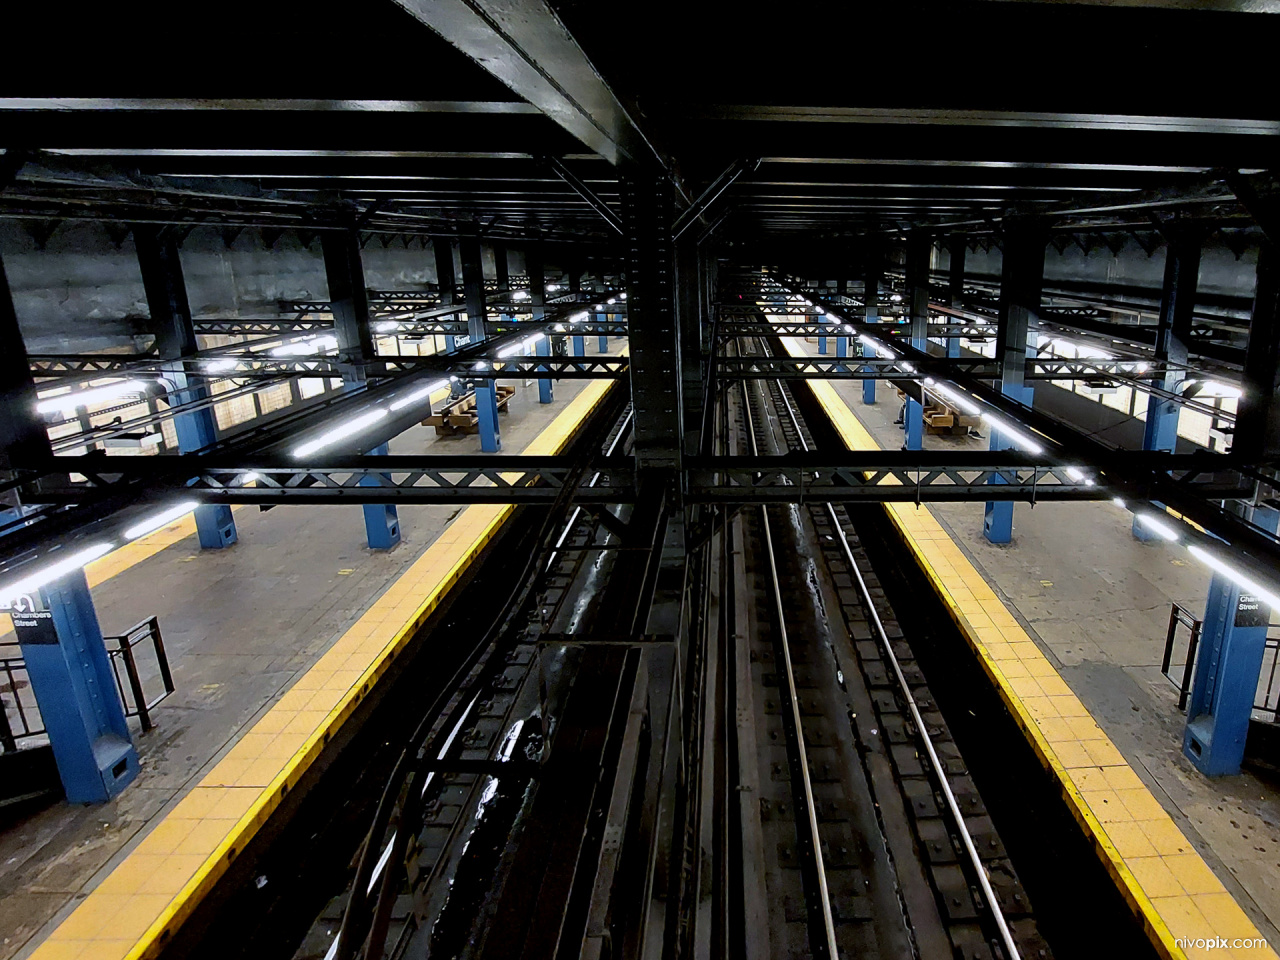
[[70, 673], [602, 344], [579, 346], [822, 339], [919, 253], [166, 291], [955, 287], [486, 391], [1177, 300], [1021, 279], [537, 298], [1233, 638], [1233, 642], [870, 299], [57, 628], [349, 300]]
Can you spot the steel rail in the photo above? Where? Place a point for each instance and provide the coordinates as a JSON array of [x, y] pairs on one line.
[[1006, 936], [828, 919]]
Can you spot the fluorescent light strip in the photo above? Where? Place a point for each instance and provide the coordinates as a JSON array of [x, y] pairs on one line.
[[348, 429], [67, 402], [47, 575], [420, 394], [965, 405], [1235, 576], [220, 366], [1156, 526], [1019, 439], [162, 519]]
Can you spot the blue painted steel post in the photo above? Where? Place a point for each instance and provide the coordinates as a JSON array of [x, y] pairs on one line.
[[822, 339], [1233, 643], [71, 676], [380, 519], [955, 288], [215, 524], [1021, 279], [478, 326], [868, 386], [487, 414], [919, 253], [543, 349], [579, 346], [349, 300], [603, 343], [1177, 299], [161, 266], [870, 298], [842, 346], [537, 297]]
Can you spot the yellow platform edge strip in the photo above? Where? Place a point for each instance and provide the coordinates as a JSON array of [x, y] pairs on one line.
[[1211, 913], [141, 903]]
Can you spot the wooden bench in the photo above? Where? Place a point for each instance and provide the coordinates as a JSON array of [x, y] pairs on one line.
[[460, 417], [941, 417]]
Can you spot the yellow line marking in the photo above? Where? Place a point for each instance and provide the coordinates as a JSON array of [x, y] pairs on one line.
[[1164, 881], [142, 902]]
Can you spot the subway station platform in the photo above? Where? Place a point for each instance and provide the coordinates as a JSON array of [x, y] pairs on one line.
[[262, 682], [1069, 621]]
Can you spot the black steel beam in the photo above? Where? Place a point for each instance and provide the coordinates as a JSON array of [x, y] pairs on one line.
[[22, 431], [349, 302]]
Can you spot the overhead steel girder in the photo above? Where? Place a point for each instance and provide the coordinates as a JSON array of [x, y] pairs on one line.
[[245, 327], [899, 368], [554, 368], [816, 476], [1256, 551], [524, 45], [363, 479]]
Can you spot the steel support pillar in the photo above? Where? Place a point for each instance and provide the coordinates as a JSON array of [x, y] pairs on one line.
[[23, 435], [1233, 642], [871, 313], [657, 387], [1021, 279], [349, 300], [822, 338], [344, 270], [442, 247], [1257, 433], [538, 299], [501, 270], [75, 688], [478, 327], [956, 250], [579, 346], [1177, 299], [161, 266], [689, 324], [381, 522], [919, 254]]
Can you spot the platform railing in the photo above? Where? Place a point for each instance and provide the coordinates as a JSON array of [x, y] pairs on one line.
[[19, 714], [121, 649], [1267, 697], [1178, 616]]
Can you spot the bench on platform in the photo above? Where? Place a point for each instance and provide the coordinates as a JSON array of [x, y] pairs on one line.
[[459, 416]]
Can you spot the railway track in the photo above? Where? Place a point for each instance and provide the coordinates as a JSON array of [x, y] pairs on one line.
[[813, 804], [869, 835]]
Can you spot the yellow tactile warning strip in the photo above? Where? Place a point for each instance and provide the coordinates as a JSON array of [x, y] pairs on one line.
[[134, 911], [1166, 883]]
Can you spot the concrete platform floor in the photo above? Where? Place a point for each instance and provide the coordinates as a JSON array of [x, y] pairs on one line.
[[240, 626], [1097, 602]]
